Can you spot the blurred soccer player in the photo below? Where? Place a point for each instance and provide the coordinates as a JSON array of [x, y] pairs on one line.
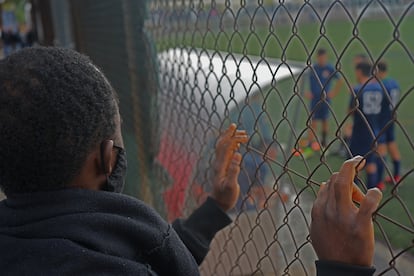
[[366, 107], [321, 78], [347, 129], [392, 89]]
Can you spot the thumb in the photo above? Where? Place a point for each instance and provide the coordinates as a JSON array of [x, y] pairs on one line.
[[370, 203]]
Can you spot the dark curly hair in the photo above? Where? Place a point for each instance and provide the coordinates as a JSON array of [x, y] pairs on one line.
[[365, 68], [55, 107], [382, 66]]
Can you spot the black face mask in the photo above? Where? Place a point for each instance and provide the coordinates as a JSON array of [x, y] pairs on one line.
[[116, 180]]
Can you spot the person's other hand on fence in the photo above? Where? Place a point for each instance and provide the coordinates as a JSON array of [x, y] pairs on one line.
[[227, 167], [343, 234]]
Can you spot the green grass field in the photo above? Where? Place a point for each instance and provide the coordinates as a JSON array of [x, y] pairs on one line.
[[375, 37]]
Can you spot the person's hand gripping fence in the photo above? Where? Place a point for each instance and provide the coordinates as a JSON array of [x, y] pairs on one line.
[[227, 167], [340, 231]]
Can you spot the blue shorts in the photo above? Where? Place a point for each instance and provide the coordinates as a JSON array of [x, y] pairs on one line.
[[370, 157], [388, 136], [381, 139], [363, 149], [320, 110]]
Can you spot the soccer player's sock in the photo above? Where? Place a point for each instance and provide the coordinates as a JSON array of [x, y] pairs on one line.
[[324, 136], [397, 167], [347, 140], [343, 145], [380, 169], [372, 180]]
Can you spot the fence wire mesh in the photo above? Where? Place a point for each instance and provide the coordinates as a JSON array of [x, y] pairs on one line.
[[252, 62]]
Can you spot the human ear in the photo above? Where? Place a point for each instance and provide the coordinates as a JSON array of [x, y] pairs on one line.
[[107, 156]]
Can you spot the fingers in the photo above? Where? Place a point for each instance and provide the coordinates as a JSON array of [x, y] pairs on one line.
[[234, 169], [228, 143], [230, 131], [227, 167], [239, 139], [320, 201], [322, 193], [232, 139], [230, 185], [370, 203], [331, 203], [357, 194], [344, 184], [322, 187]]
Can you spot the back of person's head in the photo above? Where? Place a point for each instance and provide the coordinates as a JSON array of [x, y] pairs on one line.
[[382, 66], [365, 68], [358, 58], [321, 52], [361, 57], [322, 56], [56, 107]]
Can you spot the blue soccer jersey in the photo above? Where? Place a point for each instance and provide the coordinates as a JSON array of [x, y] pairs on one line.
[[321, 81], [367, 117], [391, 99], [320, 77]]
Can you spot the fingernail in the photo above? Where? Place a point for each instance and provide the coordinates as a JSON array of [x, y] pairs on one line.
[[357, 159], [376, 189]]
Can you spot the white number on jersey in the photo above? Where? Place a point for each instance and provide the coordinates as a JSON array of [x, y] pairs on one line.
[[372, 101], [395, 96]]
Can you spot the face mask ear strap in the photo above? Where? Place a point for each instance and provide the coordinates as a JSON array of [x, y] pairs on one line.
[[102, 158], [106, 186]]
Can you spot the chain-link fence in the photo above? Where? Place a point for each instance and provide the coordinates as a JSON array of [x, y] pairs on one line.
[[259, 64], [262, 64]]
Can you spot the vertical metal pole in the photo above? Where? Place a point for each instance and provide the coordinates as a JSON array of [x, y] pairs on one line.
[[62, 23], [145, 193], [45, 19]]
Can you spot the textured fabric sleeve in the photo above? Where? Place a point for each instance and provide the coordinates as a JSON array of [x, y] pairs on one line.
[[326, 268], [198, 230]]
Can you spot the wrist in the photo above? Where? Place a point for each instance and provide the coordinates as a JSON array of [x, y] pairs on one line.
[[225, 197], [357, 260], [342, 269], [223, 206]]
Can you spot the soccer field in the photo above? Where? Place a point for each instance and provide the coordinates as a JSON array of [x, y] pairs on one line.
[[376, 38]]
